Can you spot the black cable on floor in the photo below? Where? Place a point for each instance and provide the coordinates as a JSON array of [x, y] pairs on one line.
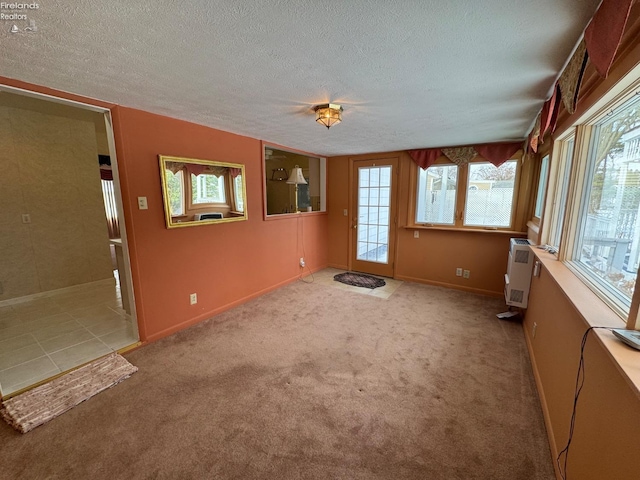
[[579, 384]]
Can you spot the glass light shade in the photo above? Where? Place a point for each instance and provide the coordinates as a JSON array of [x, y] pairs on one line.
[[329, 114], [296, 177]]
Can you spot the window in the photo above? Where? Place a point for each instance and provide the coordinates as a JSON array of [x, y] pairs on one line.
[[175, 188], [238, 196], [542, 186], [436, 202], [565, 149], [606, 249], [487, 201], [490, 193], [207, 188]]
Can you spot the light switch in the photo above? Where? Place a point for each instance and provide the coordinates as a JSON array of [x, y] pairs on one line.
[[345, 212], [142, 203], [26, 218]]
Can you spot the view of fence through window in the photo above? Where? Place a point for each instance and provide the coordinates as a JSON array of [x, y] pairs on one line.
[[436, 199], [490, 194], [374, 201], [207, 188], [608, 244]]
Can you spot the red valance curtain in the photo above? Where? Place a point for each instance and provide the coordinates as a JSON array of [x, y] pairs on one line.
[[496, 153], [425, 157], [599, 45], [196, 168], [604, 33], [106, 173]]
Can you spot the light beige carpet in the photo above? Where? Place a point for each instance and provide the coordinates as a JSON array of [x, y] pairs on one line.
[[428, 384], [36, 407]]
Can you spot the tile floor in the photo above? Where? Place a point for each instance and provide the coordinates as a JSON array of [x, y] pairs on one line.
[[325, 277], [43, 337]]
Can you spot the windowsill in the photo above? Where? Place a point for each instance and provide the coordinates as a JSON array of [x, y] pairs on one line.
[[281, 216], [467, 229], [595, 314]]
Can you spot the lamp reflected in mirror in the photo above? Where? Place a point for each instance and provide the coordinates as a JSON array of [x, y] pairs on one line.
[[294, 182], [296, 178]]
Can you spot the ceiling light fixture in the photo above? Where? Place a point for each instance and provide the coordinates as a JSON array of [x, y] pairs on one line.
[[328, 114]]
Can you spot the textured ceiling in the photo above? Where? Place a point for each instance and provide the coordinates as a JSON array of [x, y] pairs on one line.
[[409, 74]]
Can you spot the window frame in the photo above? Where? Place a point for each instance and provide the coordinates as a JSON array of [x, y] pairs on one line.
[[559, 185], [461, 198], [456, 196], [583, 130], [234, 190], [199, 207], [183, 194], [316, 185], [542, 185]]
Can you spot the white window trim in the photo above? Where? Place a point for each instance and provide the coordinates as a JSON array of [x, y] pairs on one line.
[[461, 200], [579, 176]]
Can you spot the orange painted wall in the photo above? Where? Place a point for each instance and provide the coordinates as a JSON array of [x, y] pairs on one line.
[[224, 264], [607, 430], [432, 258]]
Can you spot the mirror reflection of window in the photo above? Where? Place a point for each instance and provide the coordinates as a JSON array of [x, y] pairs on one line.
[[202, 192], [237, 191], [175, 182], [207, 188]]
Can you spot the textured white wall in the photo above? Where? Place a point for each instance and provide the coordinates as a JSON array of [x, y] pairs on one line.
[[427, 73], [49, 170]]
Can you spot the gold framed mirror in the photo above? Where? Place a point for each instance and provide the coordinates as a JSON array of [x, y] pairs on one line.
[[201, 192]]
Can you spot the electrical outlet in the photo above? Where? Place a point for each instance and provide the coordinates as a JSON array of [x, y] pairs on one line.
[[466, 274], [193, 298], [458, 272], [142, 203], [533, 329], [302, 264], [26, 218], [416, 234], [345, 212]]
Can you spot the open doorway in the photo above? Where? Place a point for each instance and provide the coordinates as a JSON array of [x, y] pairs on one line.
[[65, 299]]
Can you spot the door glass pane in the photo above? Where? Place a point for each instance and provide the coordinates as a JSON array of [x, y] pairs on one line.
[[384, 197], [374, 187], [374, 177]]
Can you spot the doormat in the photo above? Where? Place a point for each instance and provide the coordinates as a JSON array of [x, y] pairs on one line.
[[35, 407], [359, 280]]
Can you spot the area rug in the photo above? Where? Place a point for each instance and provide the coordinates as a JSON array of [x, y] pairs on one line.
[[35, 407], [359, 280]]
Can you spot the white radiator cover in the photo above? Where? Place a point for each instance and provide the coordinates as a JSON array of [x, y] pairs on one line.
[[519, 269]]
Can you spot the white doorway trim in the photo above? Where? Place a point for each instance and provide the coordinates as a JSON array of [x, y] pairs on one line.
[[116, 179]]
